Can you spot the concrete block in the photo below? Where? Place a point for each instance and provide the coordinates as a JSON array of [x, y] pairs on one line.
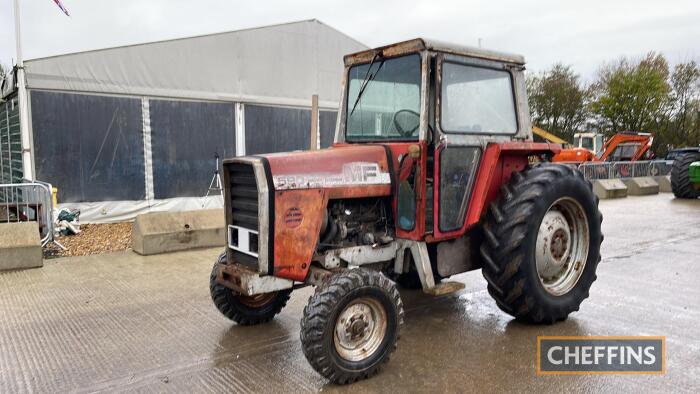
[[162, 232], [664, 182], [641, 186], [609, 188], [20, 246]]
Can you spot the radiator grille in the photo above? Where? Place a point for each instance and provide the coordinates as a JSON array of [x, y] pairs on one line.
[[243, 205]]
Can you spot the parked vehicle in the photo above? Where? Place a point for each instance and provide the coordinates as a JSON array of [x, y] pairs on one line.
[[673, 154], [685, 172], [625, 146], [429, 177]]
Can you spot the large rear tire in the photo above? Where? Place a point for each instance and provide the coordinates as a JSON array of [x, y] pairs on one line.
[[680, 176], [351, 325], [542, 243], [245, 310]]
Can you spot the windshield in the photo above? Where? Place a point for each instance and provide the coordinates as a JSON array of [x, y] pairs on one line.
[[625, 151], [587, 143], [389, 104], [598, 144]]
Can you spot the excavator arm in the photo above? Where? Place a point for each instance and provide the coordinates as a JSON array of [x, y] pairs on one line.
[[548, 136]]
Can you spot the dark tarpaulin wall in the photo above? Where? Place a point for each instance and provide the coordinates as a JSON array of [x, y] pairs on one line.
[[11, 170], [276, 129], [327, 127], [89, 147], [184, 137]]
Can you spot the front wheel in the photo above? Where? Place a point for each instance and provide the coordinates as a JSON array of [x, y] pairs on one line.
[[542, 244], [245, 310], [351, 324]]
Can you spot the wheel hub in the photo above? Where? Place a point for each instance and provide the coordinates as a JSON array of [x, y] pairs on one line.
[[256, 301], [552, 244], [561, 250], [357, 326], [360, 329], [559, 245]]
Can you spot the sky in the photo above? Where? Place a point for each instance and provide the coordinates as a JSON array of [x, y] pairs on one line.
[[582, 34]]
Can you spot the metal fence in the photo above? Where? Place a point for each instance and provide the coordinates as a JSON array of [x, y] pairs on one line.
[[29, 201], [625, 169]]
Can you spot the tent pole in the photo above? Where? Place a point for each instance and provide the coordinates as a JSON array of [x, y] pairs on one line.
[[313, 141], [22, 96]]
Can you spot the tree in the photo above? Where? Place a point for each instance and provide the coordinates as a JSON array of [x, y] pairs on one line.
[[684, 126], [558, 100], [631, 95]]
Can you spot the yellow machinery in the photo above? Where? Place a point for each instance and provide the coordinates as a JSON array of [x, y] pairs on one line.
[[548, 136]]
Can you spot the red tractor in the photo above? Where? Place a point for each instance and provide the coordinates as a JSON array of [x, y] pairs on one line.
[[433, 173]]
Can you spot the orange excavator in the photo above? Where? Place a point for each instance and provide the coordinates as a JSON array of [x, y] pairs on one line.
[[624, 146]]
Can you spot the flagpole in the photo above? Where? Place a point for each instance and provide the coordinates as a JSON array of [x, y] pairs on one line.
[[28, 169]]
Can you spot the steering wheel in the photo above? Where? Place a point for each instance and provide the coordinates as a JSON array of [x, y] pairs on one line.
[[401, 130]]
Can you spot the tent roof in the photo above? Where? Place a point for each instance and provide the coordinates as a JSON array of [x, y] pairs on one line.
[[280, 64]]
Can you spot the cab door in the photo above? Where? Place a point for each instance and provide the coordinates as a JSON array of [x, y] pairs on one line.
[[455, 171], [475, 106]]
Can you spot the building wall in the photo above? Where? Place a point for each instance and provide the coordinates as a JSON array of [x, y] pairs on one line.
[[185, 137], [93, 147], [142, 123], [90, 147]]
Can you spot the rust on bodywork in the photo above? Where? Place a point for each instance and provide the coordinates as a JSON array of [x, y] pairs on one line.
[[298, 218], [303, 184]]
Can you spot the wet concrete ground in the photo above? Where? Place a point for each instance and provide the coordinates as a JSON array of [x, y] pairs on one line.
[[122, 322]]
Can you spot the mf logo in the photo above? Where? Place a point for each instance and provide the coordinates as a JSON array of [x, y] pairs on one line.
[[601, 355], [360, 172]]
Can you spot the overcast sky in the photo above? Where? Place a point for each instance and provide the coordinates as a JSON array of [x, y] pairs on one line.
[[582, 34]]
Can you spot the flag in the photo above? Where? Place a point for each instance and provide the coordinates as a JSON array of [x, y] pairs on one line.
[[58, 3]]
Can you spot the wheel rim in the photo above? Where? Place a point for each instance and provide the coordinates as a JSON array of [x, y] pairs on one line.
[[562, 246], [256, 301], [360, 329]]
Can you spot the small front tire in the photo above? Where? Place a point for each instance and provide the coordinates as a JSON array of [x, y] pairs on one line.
[[351, 325], [245, 310]]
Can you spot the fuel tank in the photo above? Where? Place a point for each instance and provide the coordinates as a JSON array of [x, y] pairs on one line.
[[574, 155]]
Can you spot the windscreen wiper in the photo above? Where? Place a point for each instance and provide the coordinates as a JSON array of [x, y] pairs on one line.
[[367, 79]]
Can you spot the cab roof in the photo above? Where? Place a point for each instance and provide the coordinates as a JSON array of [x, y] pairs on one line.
[[420, 44]]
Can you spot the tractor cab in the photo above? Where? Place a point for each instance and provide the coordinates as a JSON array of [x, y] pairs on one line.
[[593, 142], [435, 107]]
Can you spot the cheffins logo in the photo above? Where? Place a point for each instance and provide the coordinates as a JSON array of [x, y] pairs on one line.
[[601, 355]]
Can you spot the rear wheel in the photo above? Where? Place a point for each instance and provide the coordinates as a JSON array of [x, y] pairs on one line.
[[542, 244], [245, 310], [680, 176], [351, 324]]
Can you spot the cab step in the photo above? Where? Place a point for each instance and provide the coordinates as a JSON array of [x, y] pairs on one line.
[[445, 288]]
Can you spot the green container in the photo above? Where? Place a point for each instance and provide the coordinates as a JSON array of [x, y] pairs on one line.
[[694, 172]]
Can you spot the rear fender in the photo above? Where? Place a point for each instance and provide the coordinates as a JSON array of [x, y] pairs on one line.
[[498, 163]]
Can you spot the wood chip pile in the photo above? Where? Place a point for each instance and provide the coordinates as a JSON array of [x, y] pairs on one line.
[[94, 239]]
